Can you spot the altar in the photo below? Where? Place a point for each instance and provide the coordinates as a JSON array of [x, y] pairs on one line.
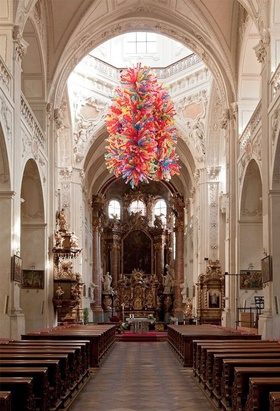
[[139, 325], [137, 296]]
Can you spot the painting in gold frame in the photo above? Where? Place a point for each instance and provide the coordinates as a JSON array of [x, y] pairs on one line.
[[266, 269], [33, 279], [16, 268], [251, 280]]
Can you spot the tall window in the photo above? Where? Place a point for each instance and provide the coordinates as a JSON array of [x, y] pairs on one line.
[[114, 209], [141, 43], [137, 206], [160, 209]]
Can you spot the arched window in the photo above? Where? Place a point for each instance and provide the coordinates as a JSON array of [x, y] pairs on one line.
[[137, 206], [160, 210], [114, 209]]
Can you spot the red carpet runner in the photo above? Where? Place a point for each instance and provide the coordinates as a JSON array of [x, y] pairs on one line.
[[151, 336]]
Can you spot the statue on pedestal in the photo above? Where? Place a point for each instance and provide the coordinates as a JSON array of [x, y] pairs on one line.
[[61, 220], [168, 280], [107, 280], [189, 308]]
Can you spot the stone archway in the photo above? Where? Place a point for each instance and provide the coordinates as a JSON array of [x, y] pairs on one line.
[[274, 229], [6, 209], [33, 245], [250, 236]]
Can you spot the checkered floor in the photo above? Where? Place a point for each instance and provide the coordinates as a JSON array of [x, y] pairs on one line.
[[141, 376]]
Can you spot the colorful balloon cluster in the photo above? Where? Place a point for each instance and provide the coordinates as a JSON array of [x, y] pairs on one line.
[[142, 135]]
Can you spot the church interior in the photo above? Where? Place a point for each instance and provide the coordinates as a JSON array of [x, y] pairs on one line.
[[83, 243]]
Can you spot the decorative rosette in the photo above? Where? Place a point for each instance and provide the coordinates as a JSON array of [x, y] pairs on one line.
[[142, 135]]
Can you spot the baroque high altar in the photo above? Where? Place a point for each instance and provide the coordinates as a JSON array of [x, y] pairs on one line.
[[137, 250]]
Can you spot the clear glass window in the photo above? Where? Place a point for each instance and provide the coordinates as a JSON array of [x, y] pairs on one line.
[[160, 210], [137, 206], [114, 209], [141, 42]]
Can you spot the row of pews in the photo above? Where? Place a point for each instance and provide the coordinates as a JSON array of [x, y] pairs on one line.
[[46, 370], [180, 338], [238, 374]]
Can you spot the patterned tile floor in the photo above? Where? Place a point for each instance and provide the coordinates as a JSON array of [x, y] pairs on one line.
[[141, 376]]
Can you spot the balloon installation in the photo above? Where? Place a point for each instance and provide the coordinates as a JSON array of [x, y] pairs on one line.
[[142, 135]]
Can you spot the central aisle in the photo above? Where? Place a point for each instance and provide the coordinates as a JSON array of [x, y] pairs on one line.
[[141, 376]]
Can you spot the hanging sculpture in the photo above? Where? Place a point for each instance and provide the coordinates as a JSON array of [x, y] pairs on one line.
[[142, 135]]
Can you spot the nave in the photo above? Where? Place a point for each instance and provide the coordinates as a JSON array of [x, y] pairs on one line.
[[138, 376]]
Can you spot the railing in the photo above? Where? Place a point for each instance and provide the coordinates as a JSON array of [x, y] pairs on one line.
[[5, 76], [250, 316], [31, 122], [98, 66], [275, 82], [248, 133]]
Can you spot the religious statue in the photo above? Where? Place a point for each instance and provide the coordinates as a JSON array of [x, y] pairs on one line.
[[75, 292], [58, 239], [168, 280], [61, 220], [167, 303], [59, 291], [74, 241], [184, 287], [189, 308], [158, 221], [107, 280]]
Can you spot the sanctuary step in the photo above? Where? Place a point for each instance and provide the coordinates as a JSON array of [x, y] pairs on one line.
[[151, 336]]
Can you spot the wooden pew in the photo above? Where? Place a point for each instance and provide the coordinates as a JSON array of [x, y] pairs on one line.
[[274, 401], [209, 372], [41, 388], [101, 337], [84, 345], [219, 358], [199, 345], [69, 352], [181, 337], [53, 374], [22, 392], [238, 393], [63, 362], [5, 401], [259, 389], [206, 361], [227, 378], [74, 371], [78, 360]]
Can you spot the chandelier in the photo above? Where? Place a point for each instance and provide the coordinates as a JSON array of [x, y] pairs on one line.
[[142, 135]]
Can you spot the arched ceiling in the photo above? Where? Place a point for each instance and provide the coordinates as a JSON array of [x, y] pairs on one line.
[[207, 28], [74, 28]]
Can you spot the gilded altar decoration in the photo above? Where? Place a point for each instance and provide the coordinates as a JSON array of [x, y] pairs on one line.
[[142, 135], [67, 284], [211, 294], [65, 242], [138, 293]]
